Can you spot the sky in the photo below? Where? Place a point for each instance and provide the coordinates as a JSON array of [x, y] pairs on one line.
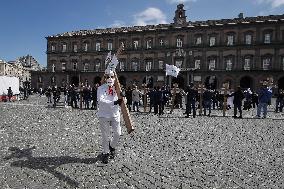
[[24, 24]]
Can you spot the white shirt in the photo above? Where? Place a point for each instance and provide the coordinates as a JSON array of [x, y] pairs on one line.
[[106, 107]]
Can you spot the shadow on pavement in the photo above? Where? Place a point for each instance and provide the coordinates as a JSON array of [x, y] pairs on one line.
[[48, 164]]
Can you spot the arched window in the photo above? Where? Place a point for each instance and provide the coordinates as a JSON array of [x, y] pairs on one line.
[[86, 46], [86, 65], [179, 41], [267, 36], [64, 47], [212, 63], [248, 61], [63, 65], [231, 37], [229, 62], [135, 64], [97, 65], [266, 62]]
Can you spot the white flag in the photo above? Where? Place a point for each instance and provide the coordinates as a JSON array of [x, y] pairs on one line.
[[172, 70], [114, 62]]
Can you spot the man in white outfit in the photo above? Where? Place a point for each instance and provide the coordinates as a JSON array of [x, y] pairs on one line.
[[109, 115]]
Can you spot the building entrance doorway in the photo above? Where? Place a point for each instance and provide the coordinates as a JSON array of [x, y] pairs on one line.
[[75, 81], [97, 80], [246, 82], [281, 83], [179, 80], [211, 82]]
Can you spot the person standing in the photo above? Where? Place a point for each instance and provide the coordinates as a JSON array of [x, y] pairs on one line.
[[136, 98], [94, 96], [238, 99], [10, 94], [128, 95], [264, 97], [109, 115], [207, 101], [279, 101], [191, 95]]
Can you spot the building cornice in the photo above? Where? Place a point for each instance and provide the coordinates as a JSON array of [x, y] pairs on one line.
[[153, 28]]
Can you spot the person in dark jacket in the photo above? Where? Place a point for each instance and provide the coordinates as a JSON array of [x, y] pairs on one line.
[[279, 101], [238, 98], [94, 96], [10, 94], [191, 95], [128, 95], [207, 101], [264, 97]]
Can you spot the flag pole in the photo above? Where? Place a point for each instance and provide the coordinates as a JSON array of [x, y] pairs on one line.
[[124, 110]]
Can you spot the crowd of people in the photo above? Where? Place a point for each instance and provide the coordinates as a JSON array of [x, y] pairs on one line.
[[157, 98]]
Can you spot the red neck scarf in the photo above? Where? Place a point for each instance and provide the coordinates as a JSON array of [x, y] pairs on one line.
[[110, 90]]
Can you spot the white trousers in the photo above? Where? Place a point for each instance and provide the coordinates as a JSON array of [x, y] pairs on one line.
[[107, 139]]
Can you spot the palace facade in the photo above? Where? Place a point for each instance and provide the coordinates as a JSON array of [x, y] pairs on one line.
[[242, 51]]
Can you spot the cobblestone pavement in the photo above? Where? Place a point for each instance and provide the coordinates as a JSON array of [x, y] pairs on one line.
[[45, 147]]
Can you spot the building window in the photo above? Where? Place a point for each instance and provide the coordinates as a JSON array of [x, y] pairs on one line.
[[63, 66], [86, 45], [39, 79], [212, 41], [229, 64], [267, 38], [75, 65], [179, 42], [64, 48], [149, 44], [148, 66], [97, 65], [179, 63], [98, 46], [266, 63], [161, 64], [75, 48], [247, 64], [135, 44], [134, 66], [52, 79], [53, 68], [109, 46], [197, 64], [52, 48], [230, 40], [212, 64], [198, 40], [86, 66], [248, 39], [121, 66], [161, 42]]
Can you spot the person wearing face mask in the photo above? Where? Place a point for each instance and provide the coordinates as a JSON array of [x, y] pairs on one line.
[[109, 115]]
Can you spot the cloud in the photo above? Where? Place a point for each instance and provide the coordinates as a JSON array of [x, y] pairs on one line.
[[274, 3], [150, 16], [117, 24], [179, 1]]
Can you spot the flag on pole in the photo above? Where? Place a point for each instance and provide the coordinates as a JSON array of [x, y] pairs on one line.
[[112, 65], [172, 70]]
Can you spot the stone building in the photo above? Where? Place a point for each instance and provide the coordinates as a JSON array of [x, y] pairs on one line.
[[242, 51], [20, 68]]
